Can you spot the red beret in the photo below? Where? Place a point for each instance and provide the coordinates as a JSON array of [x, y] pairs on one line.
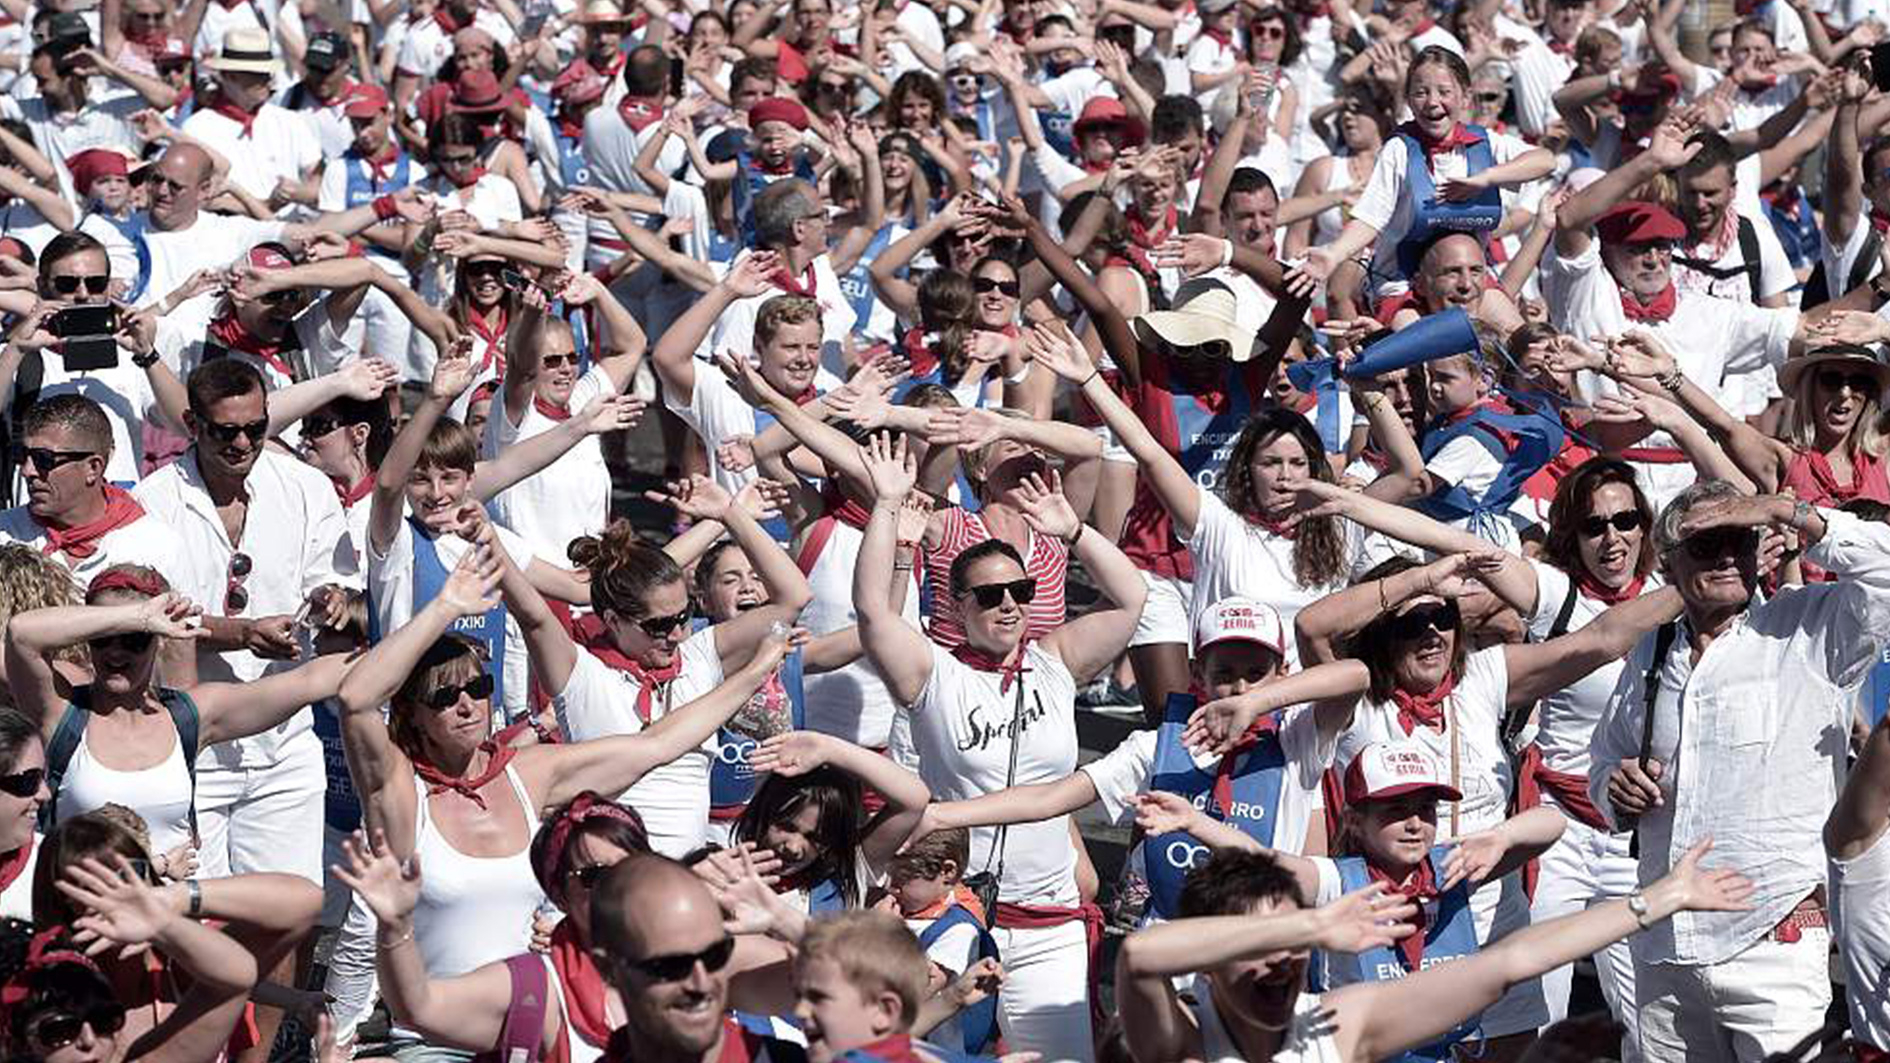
[[1639, 222], [579, 84], [778, 109], [88, 166]]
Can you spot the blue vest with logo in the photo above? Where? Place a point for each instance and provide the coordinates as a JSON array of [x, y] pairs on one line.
[[857, 286], [487, 629], [1432, 217], [573, 168], [362, 188], [1451, 934], [341, 804], [1256, 782], [978, 1023], [1534, 439], [731, 781], [1202, 436]]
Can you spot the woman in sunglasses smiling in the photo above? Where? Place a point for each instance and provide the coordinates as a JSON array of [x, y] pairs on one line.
[[22, 792]]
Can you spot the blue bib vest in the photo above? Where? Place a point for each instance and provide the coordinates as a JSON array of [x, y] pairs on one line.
[[487, 629], [1432, 217], [731, 781], [573, 168], [857, 286], [341, 804], [1537, 436], [1256, 785], [1203, 437], [1450, 935], [978, 1023]]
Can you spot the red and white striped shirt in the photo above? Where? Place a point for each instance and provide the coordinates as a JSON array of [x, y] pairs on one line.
[[1048, 562]]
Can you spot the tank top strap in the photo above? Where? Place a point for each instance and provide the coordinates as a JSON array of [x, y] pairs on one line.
[[524, 798]]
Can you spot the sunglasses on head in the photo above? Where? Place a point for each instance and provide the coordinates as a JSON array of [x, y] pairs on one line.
[[94, 284], [478, 688], [23, 783], [990, 595], [1715, 543], [553, 361], [257, 431], [58, 1029], [983, 285], [1861, 383], [129, 641], [46, 459], [676, 967], [1414, 623], [658, 626], [1625, 521]]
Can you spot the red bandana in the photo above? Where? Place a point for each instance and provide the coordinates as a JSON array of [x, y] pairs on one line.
[[919, 354], [1223, 38], [640, 112], [493, 332], [1143, 239], [1819, 466], [497, 757], [1593, 588], [472, 176], [14, 863], [229, 331], [381, 167], [1424, 709], [446, 21], [584, 987], [980, 661], [1459, 137], [81, 541], [1421, 886], [1655, 312], [1285, 529], [350, 495], [1224, 772], [804, 285], [551, 410], [238, 115], [648, 680], [1880, 221]]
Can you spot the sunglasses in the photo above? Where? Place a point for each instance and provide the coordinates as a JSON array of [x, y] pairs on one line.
[[478, 688], [588, 877], [983, 285], [1625, 521], [1716, 543], [314, 427], [553, 361], [46, 459], [1270, 32], [235, 597], [129, 641], [1490, 97], [483, 269], [257, 431], [94, 284], [285, 297], [1441, 617], [675, 968], [23, 783], [1860, 383], [59, 1029], [658, 626], [458, 160], [990, 595]]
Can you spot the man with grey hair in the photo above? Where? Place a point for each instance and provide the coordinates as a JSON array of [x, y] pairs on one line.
[[1730, 723], [791, 221]]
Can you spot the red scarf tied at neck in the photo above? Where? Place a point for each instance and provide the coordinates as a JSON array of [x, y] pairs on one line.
[[382, 166], [81, 540], [1421, 886], [640, 112], [1423, 709], [804, 285], [584, 989], [229, 331], [236, 114], [1458, 138], [349, 495], [550, 409], [1600, 592], [1659, 309], [980, 661], [497, 757]]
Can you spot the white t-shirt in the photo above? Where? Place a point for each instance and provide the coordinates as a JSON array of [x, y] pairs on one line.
[[428, 45], [323, 350], [1235, 557], [735, 330], [1860, 890], [213, 241], [598, 700], [1566, 719], [571, 496], [104, 122], [1775, 270], [278, 148]]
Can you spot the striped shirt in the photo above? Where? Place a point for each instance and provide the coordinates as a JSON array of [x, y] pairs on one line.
[[1047, 561]]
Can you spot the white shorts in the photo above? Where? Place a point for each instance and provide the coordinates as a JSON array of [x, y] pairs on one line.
[[264, 819], [1586, 867], [1165, 614], [1044, 1005]]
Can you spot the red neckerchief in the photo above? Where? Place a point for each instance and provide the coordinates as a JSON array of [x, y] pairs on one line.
[[919, 356], [583, 985], [1425, 709], [472, 177], [446, 21], [551, 410], [1224, 38], [959, 895], [1419, 887], [1593, 588], [1880, 221], [648, 680], [569, 129], [980, 661], [804, 285], [14, 864], [493, 333], [1423, 27], [349, 495], [497, 757], [340, 94], [81, 540], [840, 505], [229, 331], [735, 1048], [1143, 239], [1285, 529], [640, 112], [1820, 468], [1459, 136], [1655, 312], [381, 167], [238, 115], [1560, 47], [1268, 724]]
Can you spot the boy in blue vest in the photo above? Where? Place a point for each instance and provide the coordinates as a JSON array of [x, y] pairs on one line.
[[926, 886], [1479, 449], [859, 983]]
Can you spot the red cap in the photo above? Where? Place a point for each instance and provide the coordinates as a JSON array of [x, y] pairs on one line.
[[477, 90], [778, 109], [263, 256], [1386, 769], [1638, 222], [1109, 111], [579, 84], [364, 101], [90, 165]]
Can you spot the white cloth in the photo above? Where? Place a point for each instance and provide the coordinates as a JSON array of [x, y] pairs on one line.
[[1775, 270], [428, 45], [123, 391], [212, 241], [257, 818], [145, 541], [1536, 74], [1044, 1005], [1860, 888], [1744, 1008], [160, 793], [277, 148], [568, 498], [1233, 556], [473, 910], [1566, 718]]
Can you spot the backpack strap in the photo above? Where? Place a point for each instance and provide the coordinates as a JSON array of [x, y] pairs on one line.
[[185, 718], [1650, 692], [1749, 251], [59, 751], [1866, 258], [522, 1036]]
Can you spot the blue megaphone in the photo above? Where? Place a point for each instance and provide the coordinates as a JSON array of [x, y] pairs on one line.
[[1427, 339]]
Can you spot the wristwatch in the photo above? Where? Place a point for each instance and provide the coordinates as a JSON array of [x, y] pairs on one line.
[[1877, 289], [1637, 906], [145, 360]]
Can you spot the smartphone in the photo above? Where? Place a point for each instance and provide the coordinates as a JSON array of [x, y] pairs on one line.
[[84, 321], [676, 76], [513, 280], [1880, 66]]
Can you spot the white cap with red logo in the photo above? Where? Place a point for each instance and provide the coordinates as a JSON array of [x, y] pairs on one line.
[[1388, 769], [1240, 620]]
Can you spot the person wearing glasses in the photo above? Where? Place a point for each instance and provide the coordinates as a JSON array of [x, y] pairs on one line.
[[999, 710], [1768, 688], [1547, 63], [22, 793], [268, 146]]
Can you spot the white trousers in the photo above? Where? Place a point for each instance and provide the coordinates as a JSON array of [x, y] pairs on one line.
[[264, 819], [1588, 866], [1044, 1005], [1761, 1001]]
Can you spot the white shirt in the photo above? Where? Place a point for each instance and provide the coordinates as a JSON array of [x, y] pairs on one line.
[[598, 700], [104, 122], [278, 147], [427, 45], [297, 540], [571, 496], [1385, 204], [1775, 270], [735, 330], [1233, 556], [962, 728], [1860, 911], [1755, 771], [1566, 719], [322, 351], [333, 133], [122, 391], [213, 241], [611, 147], [145, 541], [1536, 75]]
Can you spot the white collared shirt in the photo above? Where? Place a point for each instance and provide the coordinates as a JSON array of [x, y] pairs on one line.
[[1752, 739], [296, 537], [145, 541]]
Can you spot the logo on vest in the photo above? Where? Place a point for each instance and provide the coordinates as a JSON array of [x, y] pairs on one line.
[[1185, 856], [735, 753]]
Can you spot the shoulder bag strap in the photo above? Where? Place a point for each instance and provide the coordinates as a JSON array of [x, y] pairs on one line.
[[1010, 780]]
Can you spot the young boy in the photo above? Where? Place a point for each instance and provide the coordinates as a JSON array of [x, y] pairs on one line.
[[926, 887], [859, 983]]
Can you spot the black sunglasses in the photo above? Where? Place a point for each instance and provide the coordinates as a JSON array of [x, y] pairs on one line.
[[1412, 624], [478, 688], [314, 427], [257, 431], [1861, 383], [982, 285], [235, 598], [95, 284], [484, 269], [1625, 521], [658, 626], [23, 783], [58, 1029], [1715, 543], [675, 968], [285, 297], [990, 595], [46, 459], [553, 361], [589, 875], [129, 641]]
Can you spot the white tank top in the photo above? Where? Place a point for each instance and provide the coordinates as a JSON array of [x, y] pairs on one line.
[[1328, 222], [851, 702], [1309, 1040], [160, 794], [473, 909]]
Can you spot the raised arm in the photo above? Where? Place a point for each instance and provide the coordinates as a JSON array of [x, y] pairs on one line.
[[1321, 625], [1537, 669], [901, 653], [1843, 165], [35, 635], [238, 710], [1863, 809], [675, 354], [906, 795], [1090, 642], [528, 457], [452, 374]]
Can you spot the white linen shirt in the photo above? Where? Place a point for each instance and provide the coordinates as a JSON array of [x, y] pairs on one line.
[[1752, 739]]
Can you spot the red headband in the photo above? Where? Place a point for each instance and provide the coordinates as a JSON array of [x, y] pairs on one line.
[[586, 807], [123, 579], [48, 949]]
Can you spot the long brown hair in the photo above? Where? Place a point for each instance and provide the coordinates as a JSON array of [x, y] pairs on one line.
[[1575, 496], [1319, 548]]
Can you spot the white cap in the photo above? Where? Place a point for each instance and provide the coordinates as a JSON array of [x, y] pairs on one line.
[[1388, 769], [1240, 620], [959, 54]]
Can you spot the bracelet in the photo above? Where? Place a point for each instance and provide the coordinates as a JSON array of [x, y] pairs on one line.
[[1637, 907], [195, 890], [1383, 605], [1074, 539], [399, 941], [145, 360], [1801, 512], [1227, 252], [1672, 381], [384, 208], [1093, 374]]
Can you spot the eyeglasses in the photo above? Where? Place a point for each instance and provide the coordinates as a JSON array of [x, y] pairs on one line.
[[285, 297], [1625, 521], [1490, 97], [553, 361], [1270, 32], [46, 459], [58, 1029], [990, 595], [235, 598], [983, 285], [1715, 543], [458, 160], [257, 431], [658, 626], [1441, 617], [130, 641], [23, 783], [478, 688], [95, 284], [588, 875], [675, 968], [313, 427], [1836, 380]]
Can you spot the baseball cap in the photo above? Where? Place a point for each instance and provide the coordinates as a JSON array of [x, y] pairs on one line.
[[1388, 769], [726, 145], [267, 256], [1638, 222], [364, 101], [325, 52], [1240, 619], [65, 31]]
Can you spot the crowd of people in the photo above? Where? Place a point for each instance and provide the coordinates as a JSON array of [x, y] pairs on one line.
[[1451, 436]]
